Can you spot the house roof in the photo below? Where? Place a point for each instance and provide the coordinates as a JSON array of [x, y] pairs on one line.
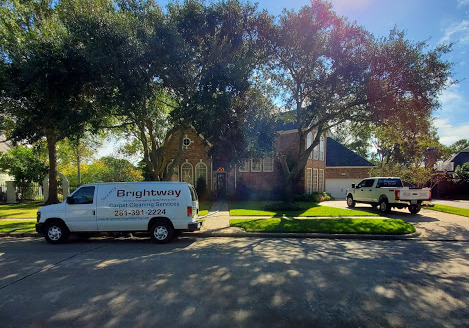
[[338, 155]]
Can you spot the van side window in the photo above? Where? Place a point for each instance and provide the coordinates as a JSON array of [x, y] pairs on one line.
[[193, 194], [369, 183], [84, 195]]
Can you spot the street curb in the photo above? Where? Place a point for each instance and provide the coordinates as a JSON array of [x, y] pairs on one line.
[[258, 235]]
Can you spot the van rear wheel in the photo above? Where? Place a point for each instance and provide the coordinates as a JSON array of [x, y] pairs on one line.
[[161, 232]]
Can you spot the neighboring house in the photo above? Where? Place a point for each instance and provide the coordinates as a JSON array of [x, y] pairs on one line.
[[343, 167], [253, 176], [4, 147], [458, 159]]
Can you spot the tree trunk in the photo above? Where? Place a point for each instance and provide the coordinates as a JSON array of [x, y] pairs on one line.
[[51, 146]]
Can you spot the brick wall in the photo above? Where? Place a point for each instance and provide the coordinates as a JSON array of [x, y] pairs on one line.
[[347, 172]]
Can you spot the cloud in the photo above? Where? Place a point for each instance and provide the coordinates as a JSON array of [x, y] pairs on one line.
[[449, 133], [456, 32], [462, 3]]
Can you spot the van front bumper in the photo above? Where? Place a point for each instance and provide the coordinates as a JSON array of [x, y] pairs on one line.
[[194, 226], [40, 227]]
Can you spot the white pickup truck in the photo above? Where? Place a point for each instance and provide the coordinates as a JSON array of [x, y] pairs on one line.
[[386, 192]]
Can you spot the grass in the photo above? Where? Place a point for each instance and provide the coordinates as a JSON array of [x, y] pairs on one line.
[[308, 209], [333, 225], [450, 209], [19, 211], [204, 207], [17, 225]]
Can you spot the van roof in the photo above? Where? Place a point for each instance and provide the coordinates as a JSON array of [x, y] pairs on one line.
[[136, 182]]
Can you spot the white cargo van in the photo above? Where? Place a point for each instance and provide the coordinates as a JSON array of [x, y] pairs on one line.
[[161, 208]]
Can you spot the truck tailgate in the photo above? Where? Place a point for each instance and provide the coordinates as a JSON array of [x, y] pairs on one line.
[[415, 194]]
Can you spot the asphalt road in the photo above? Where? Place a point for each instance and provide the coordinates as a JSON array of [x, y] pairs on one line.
[[234, 282]]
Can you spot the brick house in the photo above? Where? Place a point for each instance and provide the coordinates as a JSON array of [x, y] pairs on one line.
[[343, 167], [257, 177]]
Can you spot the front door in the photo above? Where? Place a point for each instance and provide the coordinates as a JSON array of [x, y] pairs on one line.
[[221, 185]]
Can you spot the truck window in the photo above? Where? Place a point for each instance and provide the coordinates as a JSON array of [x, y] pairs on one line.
[[84, 195], [369, 183], [390, 183]]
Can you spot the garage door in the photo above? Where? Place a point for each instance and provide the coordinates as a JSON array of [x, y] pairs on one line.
[[337, 187]]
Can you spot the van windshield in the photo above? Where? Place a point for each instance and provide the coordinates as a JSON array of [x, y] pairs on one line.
[[193, 194]]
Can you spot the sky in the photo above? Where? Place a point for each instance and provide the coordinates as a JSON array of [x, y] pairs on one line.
[[434, 21]]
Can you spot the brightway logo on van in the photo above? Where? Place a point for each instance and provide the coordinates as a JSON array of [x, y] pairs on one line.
[[147, 193]]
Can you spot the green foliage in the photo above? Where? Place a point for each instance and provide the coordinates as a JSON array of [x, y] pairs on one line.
[[461, 173], [24, 164], [458, 146], [450, 209]]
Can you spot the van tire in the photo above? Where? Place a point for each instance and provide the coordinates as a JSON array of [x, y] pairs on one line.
[[161, 232], [56, 232]]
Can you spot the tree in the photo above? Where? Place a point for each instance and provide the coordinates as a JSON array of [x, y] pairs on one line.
[[461, 173], [458, 146], [48, 78], [25, 165], [330, 71]]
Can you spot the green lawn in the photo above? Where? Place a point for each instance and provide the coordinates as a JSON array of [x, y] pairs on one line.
[[333, 225], [450, 209], [204, 207], [308, 209], [17, 225], [19, 211]]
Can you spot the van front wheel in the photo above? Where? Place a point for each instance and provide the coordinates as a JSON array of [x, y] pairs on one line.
[[56, 232], [162, 232]]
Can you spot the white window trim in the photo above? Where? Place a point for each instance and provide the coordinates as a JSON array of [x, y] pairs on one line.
[[206, 172], [263, 164], [248, 162], [315, 149], [315, 180], [252, 166], [309, 141], [175, 170], [321, 181], [192, 172], [321, 148], [309, 181]]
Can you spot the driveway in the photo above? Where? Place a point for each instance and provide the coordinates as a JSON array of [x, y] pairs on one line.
[[432, 225]]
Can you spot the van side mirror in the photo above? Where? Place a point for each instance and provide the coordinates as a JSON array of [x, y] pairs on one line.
[[353, 185], [70, 200]]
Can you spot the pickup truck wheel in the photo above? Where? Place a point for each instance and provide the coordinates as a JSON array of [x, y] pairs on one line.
[[162, 232], [56, 232], [414, 208], [384, 206], [350, 201]]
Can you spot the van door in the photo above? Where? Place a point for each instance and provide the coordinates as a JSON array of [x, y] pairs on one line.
[[195, 202], [81, 210]]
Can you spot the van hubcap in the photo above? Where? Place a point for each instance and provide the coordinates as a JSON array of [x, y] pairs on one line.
[[54, 233], [161, 233]]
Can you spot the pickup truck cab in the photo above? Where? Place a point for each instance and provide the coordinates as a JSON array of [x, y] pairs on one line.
[[161, 208], [385, 193]]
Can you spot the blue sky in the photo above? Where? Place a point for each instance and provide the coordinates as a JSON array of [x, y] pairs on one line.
[[434, 21]]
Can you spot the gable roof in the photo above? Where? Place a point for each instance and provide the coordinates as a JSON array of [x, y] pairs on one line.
[[338, 155]]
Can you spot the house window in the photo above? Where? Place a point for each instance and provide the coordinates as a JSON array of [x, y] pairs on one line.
[[321, 181], [315, 180], [200, 173], [315, 150], [309, 141], [175, 175], [309, 181], [268, 164], [244, 166], [321, 148], [256, 165], [186, 142], [186, 173]]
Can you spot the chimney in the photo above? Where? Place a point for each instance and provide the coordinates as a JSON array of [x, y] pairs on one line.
[[430, 157]]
